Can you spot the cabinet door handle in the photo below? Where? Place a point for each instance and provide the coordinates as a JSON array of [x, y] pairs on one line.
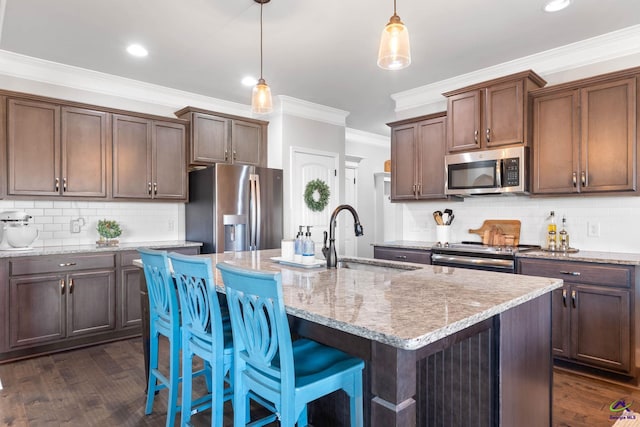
[[155, 188], [61, 286], [564, 297], [419, 189], [575, 179], [475, 136], [401, 256], [149, 188], [226, 155], [570, 273], [414, 189], [64, 184], [488, 135], [574, 297], [66, 264], [70, 286], [583, 178], [57, 185], [234, 155]]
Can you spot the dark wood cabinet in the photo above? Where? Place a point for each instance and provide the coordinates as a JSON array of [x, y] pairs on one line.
[[224, 138], [59, 297], [490, 114], [584, 136], [419, 256], [149, 159], [592, 314], [417, 158], [56, 150]]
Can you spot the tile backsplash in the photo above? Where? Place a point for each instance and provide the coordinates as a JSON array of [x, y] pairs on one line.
[[140, 222], [617, 219]]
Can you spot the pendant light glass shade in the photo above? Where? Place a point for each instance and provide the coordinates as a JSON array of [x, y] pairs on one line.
[[394, 52], [261, 102]]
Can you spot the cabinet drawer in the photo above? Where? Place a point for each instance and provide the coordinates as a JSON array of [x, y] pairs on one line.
[[128, 256], [408, 255], [61, 263], [580, 272]]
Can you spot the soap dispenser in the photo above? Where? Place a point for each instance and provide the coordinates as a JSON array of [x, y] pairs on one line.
[[297, 246], [308, 248]]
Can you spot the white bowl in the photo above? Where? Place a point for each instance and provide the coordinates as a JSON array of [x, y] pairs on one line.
[[21, 236]]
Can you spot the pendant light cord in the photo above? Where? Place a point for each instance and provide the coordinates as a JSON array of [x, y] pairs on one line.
[[261, 4], [394, 7]]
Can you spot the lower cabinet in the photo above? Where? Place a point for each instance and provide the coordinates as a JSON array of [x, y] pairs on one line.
[[129, 287], [50, 303], [60, 297], [419, 256], [592, 314]]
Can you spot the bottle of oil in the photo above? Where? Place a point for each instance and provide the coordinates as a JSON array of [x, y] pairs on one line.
[[552, 229], [564, 236]]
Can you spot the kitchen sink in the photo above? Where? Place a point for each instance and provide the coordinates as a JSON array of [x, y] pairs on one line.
[[374, 266]]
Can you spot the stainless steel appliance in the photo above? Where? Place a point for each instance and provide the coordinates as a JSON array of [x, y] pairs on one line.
[[234, 208], [476, 256], [503, 171]]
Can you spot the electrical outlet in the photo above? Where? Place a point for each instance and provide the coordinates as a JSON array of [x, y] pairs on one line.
[[593, 229], [75, 226]]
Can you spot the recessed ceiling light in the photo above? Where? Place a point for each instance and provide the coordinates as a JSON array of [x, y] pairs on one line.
[[249, 81], [556, 5], [137, 50]]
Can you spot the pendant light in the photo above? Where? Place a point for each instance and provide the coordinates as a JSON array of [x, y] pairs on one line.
[[261, 102], [394, 52]]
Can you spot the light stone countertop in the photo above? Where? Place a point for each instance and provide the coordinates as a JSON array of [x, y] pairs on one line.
[[584, 256], [72, 249], [406, 309]]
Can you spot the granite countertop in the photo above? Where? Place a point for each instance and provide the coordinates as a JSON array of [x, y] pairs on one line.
[[71, 249], [586, 256], [406, 309]]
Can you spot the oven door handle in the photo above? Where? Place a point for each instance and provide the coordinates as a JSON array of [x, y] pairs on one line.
[[469, 261]]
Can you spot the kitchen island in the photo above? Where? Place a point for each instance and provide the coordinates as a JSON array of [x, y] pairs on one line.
[[442, 346]]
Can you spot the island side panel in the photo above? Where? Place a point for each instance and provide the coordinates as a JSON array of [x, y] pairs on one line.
[[525, 365]]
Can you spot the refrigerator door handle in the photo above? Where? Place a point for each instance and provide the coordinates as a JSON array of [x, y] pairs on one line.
[[253, 212], [258, 213]]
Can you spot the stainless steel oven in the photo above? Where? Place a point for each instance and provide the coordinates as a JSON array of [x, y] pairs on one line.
[[476, 256]]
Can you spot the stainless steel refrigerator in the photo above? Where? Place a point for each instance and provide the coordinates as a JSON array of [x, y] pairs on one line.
[[234, 208]]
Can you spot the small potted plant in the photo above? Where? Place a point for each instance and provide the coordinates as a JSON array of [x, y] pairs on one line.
[[108, 231]]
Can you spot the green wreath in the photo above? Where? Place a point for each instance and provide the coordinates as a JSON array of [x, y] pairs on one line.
[[322, 189]]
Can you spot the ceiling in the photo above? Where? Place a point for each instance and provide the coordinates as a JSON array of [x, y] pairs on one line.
[[319, 51]]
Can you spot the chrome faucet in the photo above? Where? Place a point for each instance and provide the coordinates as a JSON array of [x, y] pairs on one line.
[[330, 252]]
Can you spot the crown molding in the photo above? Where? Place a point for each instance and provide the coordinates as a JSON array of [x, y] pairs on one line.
[[363, 137], [40, 70], [585, 52], [309, 110]]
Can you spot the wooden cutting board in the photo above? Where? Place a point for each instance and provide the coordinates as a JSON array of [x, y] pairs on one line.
[[498, 232]]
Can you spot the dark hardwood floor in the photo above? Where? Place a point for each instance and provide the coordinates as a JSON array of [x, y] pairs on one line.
[[104, 386]]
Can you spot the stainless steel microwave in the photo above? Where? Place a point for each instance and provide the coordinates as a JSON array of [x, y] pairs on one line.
[[503, 171]]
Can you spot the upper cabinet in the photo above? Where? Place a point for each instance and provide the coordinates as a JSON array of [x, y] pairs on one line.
[[223, 138], [56, 150], [490, 114], [149, 158], [417, 158], [584, 135]]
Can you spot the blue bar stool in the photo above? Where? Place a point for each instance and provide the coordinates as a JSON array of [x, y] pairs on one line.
[[164, 319], [206, 333], [268, 364]]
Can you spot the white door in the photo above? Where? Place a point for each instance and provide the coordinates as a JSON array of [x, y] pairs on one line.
[[347, 245], [308, 165]]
